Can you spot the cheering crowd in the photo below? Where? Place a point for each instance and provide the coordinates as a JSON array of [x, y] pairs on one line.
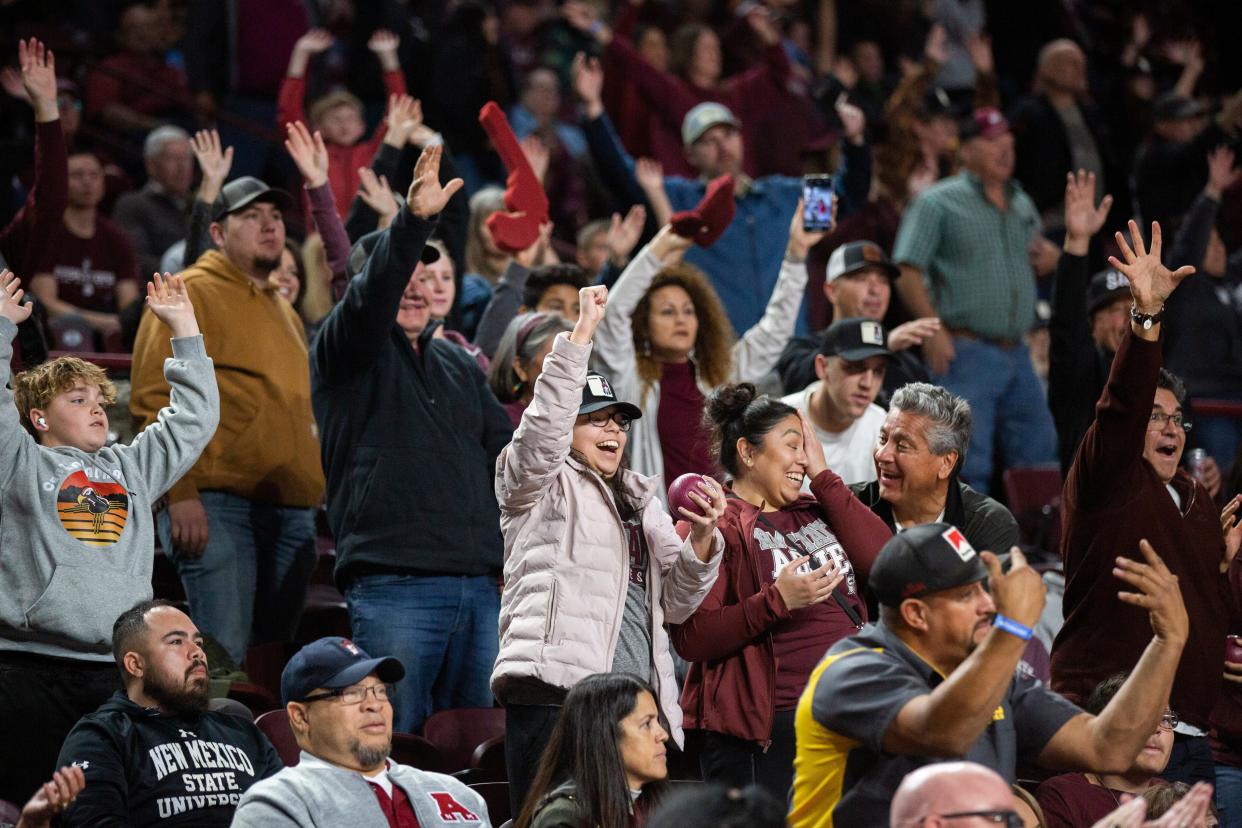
[[512, 314]]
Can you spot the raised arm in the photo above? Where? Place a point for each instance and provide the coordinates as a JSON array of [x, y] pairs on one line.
[[543, 437], [289, 107], [757, 352], [215, 165], [614, 165], [14, 439], [310, 156], [168, 447], [354, 332], [1108, 743]]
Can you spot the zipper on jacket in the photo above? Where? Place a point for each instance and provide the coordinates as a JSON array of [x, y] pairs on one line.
[[547, 624]]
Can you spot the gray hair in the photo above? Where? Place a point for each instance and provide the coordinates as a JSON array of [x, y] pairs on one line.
[[158, 137], [501, 378], [947, 415]]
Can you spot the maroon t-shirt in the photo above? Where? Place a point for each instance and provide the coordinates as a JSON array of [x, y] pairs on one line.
[[679, 421], [87, 271], [800, 642], [1070, 801]]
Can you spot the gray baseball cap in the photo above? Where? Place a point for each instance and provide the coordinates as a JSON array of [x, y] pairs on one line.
[[702, 118], [244, 191]]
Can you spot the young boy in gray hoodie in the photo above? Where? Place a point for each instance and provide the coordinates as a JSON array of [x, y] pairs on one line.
[[76, 530]]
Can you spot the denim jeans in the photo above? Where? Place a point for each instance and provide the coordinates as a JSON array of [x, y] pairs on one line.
[[443, 628], [249, 585], [1229, 796], [1006, 401], [1218, 436]]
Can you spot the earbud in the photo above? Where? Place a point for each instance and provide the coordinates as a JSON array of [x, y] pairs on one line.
[[43, 422]]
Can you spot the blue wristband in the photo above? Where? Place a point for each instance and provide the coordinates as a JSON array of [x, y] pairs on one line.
[[1012, 627]]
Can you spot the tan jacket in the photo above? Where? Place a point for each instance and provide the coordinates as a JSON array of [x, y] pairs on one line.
[[266, 447], [566, 561]]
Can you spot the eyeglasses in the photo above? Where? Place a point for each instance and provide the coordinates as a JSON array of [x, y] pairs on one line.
[[1159, 418], [355, 694], [1009, 819], [599, 419], [1169, 721]]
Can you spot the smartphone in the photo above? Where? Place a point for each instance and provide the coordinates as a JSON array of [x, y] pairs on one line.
[[818, 209]]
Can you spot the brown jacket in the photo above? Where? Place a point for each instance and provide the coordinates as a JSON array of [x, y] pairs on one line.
[[266, 447]]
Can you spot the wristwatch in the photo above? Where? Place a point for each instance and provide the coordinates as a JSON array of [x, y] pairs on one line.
[[1146, 320]]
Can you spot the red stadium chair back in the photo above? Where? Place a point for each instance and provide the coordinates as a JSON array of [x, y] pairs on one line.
[[488, 761], [458, 732], [417, 752], [1034, 495], [275, 726]]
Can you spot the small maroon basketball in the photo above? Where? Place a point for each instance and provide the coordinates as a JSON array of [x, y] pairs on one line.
[[1233, 649], [679, 495]]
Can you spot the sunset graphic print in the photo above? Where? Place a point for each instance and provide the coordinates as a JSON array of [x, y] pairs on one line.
[[92, 512]]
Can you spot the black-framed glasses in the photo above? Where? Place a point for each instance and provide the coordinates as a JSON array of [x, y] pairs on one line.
[[1009, 819], [1159, 418], [600, 419], [355, 694]]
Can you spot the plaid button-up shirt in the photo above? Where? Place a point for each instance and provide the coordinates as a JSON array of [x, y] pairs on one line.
[[973, 256]]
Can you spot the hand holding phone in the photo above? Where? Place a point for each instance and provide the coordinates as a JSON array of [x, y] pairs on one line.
[[818, 210]]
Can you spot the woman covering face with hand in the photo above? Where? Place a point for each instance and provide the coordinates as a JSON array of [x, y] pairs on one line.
[[593, 565], [788, 588]]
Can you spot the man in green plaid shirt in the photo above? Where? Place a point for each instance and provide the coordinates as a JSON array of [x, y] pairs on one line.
[[963, 250]]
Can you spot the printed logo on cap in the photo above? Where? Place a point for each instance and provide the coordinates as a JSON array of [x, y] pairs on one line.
[[1113, 280], [350, 647], [871, 253], [958, 541], [871, 333], [599, 387]]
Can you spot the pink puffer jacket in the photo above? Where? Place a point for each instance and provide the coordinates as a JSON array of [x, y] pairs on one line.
[[566, 556]]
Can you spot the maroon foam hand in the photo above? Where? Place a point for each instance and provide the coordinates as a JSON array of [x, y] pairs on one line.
[[525, 202], [710, 217]]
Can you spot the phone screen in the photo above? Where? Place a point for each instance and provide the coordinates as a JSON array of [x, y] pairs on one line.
[[817, 206]]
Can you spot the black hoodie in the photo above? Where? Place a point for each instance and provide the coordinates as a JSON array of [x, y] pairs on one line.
[[146, 768]]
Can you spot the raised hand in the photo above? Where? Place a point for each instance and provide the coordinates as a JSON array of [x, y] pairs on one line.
[[1019, 593], [853, 121], [1158, 593], [170, 302], [1231, 530], [11, 306], [537, 155], [909, 334], [759, 18], [804, 590], [583, 18], [308, 45], [588, 79], [376, 194], [533, 256], [591, 303], [1221, 172], [384, 44], [1190, 811], [1082, 219], [426, 196], [214, 163], [39, 78], [649, 173], [403, 120], [308, 153], [979, 47], [936, 46], [1150, 281], [800, 239], [668, 247], [53, 797], [703, 526], [623, 234]]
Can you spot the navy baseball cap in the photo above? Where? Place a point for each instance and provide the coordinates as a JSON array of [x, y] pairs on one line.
[[597, 393], [332, 663], [923, 559]]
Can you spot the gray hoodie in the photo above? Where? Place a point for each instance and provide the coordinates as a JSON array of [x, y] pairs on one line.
[[76, 529], [314, 793]]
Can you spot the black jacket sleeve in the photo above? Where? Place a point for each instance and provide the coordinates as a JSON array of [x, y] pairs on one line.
[[353, 334], [501, 308], [1072, 357], [104, 800]]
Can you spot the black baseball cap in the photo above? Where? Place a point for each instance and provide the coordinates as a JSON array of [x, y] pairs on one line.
[[244, 191], [1174, 107], [365, 246], [333, 663], [597, 393], [923, 559], [855, 339], [1105, 287], [986, 122], [936, 103], [857, 255]]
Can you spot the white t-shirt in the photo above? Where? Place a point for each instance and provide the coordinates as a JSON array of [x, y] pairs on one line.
[[849, 453]]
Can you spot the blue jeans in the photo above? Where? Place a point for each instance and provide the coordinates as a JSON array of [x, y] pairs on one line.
[[443, 628], [1229, 796], [257, 555], [1219, 436], [1006, 400]]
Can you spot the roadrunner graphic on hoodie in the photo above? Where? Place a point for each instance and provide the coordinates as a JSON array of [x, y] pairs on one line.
[[92, 511]]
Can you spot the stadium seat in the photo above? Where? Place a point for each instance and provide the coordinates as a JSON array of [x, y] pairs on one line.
[[257, 698], [325, 614], [275, 726], [417, 752], [488, 762], [1034, 496], [265, 662], [458, 732], [496, 795]]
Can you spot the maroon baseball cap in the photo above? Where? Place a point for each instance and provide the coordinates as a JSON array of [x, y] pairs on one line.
[[984, 123]]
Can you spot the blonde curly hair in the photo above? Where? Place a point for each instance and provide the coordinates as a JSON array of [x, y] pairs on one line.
[[37, 387]]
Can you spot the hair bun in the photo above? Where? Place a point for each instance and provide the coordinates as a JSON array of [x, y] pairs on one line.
[[728, 402]]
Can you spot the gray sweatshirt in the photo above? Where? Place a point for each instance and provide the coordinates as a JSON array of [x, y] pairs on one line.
[[314, 794], [77, 536]]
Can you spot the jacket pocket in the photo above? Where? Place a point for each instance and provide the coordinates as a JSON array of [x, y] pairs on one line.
[[81, 603], [550, 620]]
